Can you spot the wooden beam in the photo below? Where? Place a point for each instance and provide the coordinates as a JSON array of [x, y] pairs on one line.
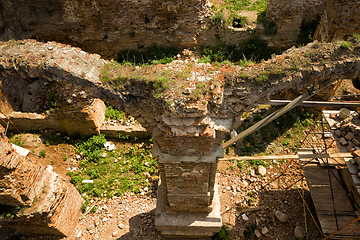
[[315, 103], [278, 113], [295, 156]]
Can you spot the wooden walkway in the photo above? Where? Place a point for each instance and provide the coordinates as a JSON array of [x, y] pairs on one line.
[[317, 178], [330, 187]]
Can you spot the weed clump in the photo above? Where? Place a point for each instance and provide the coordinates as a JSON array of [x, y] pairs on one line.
[[223, 234], [346, 44], [16, 140], [93, 148]]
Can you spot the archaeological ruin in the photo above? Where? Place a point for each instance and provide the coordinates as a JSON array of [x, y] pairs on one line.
[[188, 119]]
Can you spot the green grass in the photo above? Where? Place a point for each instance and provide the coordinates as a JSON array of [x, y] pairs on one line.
[[218, 18], [16, 140], [237, 5], [285, 131], [123, 169], [259, 5], [245, 53]]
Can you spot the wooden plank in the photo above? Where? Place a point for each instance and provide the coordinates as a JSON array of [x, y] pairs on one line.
[[350, 186], [328, 225], [279, 112], [295, 156], [319, 185], [315, 103]]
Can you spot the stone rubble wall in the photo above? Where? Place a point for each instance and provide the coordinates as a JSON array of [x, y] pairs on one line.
[[288, 16], [107, 26], [50, 204], [341, 19]]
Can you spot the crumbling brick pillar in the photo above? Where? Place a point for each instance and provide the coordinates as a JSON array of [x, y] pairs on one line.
[[188, 149], [49, 204]]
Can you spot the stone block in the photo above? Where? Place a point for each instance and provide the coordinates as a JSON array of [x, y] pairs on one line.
[[337, 133], [185, 224], [343, 142], [349, 136]]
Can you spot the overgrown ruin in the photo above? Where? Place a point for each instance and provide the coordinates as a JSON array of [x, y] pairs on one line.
[[189, 115]]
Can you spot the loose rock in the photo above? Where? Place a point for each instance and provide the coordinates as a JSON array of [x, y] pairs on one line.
[[261, 170], [299, 232], [264, 231], [257, 233], [282, 217]]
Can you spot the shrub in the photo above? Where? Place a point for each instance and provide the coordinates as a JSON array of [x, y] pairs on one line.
[[42, 153], [93, 148], [239, 22], [263, 77], [223, 234], [356, 36], [248, 233]]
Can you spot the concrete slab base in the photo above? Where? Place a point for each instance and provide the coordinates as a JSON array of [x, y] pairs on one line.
[[187, 225]]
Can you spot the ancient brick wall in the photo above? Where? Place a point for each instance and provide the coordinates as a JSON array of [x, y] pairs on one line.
[[288, 16], [341, 19], [50, 204]]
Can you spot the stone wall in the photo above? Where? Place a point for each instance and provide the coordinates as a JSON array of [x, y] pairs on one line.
[[105, 26], [49, 204], [341, 19], [288, 16]]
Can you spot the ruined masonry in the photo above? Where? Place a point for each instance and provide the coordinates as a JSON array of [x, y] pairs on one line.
[[187, 133], [49, 204], [188, 130]]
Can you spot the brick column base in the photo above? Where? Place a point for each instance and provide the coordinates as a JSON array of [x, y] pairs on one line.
[[187, 224]]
